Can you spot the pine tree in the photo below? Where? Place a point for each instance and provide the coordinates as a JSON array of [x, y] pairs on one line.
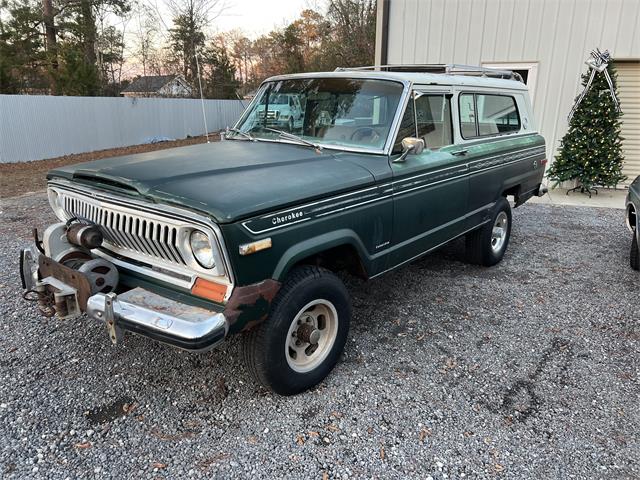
[[220, 74], [591, 150]]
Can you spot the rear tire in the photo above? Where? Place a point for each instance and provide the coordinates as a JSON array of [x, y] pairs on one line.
[[634, 255], [487, 245], [304, 335]]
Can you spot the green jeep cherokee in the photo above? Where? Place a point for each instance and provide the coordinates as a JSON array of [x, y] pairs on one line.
[[190, 245]]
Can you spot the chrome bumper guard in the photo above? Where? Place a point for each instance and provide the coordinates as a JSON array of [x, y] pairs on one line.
[[149, 314]]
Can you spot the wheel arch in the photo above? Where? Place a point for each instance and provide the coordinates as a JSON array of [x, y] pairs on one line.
[[631, 217], [329, 250]]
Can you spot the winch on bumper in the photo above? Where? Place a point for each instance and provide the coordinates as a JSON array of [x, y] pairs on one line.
[[67, 280], [66, 292]]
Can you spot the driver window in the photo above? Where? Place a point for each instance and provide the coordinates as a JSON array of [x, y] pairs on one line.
[[407, 127], [433, 116]]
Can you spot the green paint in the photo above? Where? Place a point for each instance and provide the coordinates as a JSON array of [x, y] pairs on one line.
[[307, 201]]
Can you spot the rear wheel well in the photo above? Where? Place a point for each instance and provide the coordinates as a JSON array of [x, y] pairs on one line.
[[512, 191], [341, 258]]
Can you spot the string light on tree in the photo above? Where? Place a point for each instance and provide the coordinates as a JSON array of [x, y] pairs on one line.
[[591, 150]]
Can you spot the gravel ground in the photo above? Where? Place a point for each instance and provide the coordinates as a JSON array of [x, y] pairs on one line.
[[525, 370]]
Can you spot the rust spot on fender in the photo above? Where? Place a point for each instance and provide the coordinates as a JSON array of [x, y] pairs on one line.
[[249, 305]]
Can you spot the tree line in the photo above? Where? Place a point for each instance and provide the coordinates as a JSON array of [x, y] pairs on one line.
[[97, 47]]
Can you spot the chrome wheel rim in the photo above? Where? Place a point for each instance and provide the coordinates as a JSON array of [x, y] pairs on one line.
[[311, 335], [499, 232]]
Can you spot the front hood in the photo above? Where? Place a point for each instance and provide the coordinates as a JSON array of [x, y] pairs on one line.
[[228, 180]]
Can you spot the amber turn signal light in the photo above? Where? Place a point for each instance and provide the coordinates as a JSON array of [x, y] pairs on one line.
[[253, 247], [210, 290]]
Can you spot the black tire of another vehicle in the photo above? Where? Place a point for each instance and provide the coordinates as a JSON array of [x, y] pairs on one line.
[[290, 124], [269, 348], [487, 245], [634, 256]]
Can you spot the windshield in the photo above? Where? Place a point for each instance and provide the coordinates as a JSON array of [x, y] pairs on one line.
[[329, 111], [279, 100]]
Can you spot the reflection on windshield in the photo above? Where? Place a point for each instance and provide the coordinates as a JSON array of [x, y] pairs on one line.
[[331, 111], [279, 100]]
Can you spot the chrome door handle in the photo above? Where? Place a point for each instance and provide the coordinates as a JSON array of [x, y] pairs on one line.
[[460, 152]]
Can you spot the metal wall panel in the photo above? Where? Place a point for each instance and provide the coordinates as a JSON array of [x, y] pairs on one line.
[[556, 34], [34, 127], [629, 88]]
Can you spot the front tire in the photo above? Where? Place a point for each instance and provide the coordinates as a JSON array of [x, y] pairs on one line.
[[634, 255], [304, 335], [487, 245]]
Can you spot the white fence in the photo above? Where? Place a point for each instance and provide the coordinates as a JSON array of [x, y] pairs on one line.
[[34, 127]]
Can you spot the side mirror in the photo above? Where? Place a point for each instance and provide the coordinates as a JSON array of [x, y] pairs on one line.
[[410, 145], [415, 146]]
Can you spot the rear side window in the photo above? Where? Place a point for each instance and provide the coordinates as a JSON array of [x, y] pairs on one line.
[[484, 115]]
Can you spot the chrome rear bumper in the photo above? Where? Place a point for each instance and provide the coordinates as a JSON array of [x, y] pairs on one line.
[[149, 314]]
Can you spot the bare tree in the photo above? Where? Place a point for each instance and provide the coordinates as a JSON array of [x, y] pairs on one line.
[[239, 49], [202, 12], [146, 35]]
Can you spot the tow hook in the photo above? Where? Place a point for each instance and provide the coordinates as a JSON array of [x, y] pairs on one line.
[[115, 332]]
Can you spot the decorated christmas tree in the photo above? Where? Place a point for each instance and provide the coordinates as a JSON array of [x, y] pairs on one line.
[[591, 150]]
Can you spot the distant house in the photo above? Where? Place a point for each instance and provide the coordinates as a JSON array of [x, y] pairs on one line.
[[158, 86]]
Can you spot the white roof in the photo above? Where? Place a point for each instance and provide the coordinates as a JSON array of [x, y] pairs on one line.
[[417, 78]]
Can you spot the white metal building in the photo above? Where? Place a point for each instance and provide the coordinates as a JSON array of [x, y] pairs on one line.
[[546, 41]]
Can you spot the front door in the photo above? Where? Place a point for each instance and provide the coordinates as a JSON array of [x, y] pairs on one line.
[[431, 189]]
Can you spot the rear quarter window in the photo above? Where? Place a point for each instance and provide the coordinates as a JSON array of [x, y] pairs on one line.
[[484, 115]]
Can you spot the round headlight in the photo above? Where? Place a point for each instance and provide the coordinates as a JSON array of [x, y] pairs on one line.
[[202, 249]]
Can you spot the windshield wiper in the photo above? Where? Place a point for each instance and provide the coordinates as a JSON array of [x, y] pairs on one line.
[[290, 136], [240, 132]]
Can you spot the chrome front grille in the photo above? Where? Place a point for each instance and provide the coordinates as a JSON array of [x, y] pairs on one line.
[[126, 232], [149, 239]]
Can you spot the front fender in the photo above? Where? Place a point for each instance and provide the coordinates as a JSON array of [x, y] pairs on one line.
[[318, 244]]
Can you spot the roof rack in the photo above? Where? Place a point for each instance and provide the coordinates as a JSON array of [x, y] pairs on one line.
[[442, 68]]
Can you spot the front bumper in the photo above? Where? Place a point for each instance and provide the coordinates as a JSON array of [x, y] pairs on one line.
[[147, 313]]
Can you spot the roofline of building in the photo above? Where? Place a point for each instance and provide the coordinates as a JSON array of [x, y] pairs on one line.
[[173, 77]]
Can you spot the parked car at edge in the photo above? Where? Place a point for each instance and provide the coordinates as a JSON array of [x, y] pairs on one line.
[[633, 203], [190, 245]]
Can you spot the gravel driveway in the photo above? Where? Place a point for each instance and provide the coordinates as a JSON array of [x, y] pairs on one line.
[[525, 370]]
